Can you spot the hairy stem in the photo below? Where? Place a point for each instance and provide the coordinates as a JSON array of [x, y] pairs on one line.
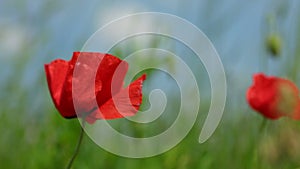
[[78, 145]]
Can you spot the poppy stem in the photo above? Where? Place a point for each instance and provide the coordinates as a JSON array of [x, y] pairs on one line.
[[78, 145], [262, 129], [263, 125]]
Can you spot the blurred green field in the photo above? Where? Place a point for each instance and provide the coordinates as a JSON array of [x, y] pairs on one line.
[[48, 142], [35, 136]]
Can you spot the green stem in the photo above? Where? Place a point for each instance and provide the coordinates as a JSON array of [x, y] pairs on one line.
[[262, 129], [263, 125], [78, 145]]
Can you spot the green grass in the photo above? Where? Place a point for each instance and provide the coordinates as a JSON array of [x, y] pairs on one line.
[[49, 142]]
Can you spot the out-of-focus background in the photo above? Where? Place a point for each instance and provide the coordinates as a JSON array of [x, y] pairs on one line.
[[250, 36]]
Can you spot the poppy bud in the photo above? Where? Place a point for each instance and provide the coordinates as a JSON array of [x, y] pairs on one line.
[[274, 44]]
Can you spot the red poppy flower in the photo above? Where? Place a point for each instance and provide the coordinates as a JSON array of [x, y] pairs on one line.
[[274, 97], [71, 85]]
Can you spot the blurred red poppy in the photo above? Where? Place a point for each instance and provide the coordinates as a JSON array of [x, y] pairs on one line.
[[274, 97], [91, 83]]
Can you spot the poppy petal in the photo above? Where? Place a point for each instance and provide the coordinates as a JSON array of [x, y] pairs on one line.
[[261, 96], [110, 67], [56, 72], [288, 98], [80, 87], [120, 105]]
